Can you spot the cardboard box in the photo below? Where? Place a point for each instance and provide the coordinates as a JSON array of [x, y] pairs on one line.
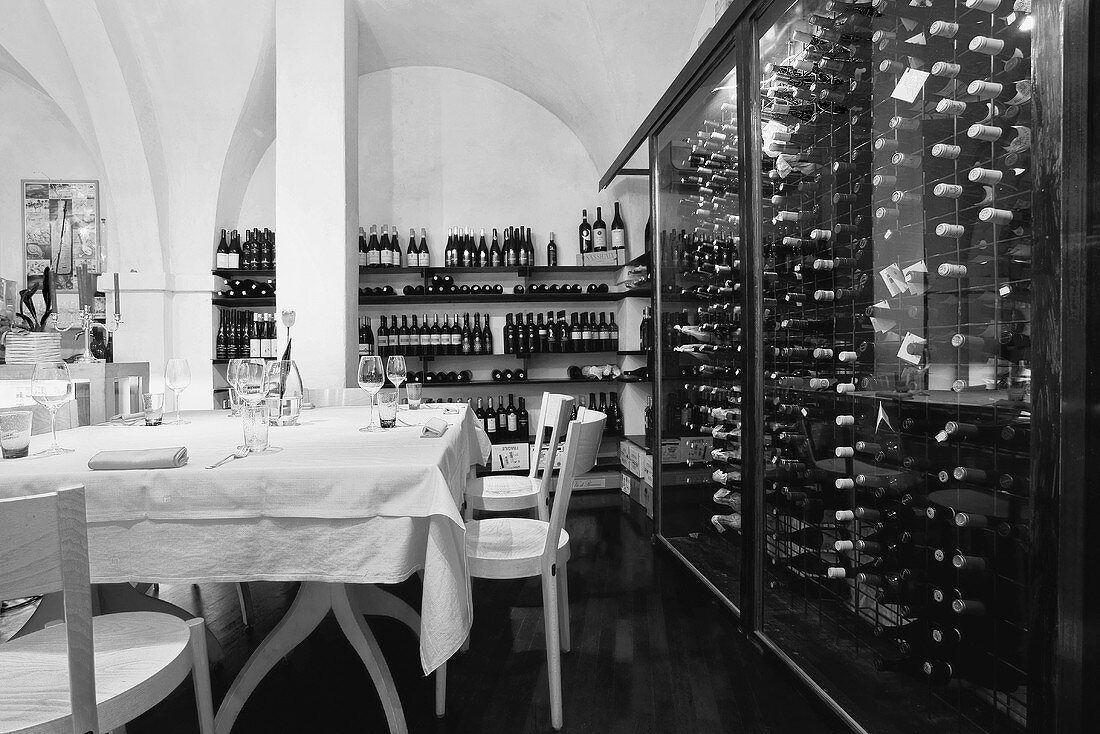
[[695, 448], [607, 257], [648, 500], [630, 456], [505, 457], [670, 451], [647, 471]]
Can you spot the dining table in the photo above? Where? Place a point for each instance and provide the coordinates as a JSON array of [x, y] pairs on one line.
[[328, 505]]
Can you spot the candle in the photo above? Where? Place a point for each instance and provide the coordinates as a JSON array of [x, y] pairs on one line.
[[117, 310]]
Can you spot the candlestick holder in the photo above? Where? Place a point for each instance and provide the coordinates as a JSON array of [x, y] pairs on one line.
[[87, 324]]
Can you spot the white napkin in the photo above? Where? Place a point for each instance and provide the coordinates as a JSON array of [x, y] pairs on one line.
[[168, 458]]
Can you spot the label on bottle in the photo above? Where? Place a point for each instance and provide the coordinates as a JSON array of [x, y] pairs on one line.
[[598, 239], [385, 257], [618, 239], [254, 347], [423, 260], [491, 423], [513, 422], [372, 258], [233, 261], [586, 241], [221, 260]]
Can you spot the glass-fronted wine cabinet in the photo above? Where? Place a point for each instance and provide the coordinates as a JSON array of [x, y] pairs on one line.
[[697, 408], [848, 295]]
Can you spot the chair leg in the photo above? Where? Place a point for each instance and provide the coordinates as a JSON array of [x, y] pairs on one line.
[[553, 646], [200, 673], [244, 598], [563, 607], [441, 691]]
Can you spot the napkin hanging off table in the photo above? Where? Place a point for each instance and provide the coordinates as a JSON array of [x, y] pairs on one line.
[[167, 458]]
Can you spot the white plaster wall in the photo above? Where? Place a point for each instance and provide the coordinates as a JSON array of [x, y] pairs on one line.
[[258, 205], [440, 147], [36, 141]]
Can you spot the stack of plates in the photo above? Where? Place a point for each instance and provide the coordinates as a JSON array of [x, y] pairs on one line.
[[26, 348]]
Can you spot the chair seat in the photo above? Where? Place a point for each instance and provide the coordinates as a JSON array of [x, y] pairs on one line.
[[509, 547], [140, 657], [502, 493]]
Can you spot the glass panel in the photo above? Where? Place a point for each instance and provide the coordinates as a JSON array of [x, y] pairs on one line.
[[895, 143], [698, 414]]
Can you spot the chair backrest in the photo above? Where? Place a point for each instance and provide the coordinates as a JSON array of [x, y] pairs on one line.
[[582, 444], [553, 421], [337, 397], [44, 547]]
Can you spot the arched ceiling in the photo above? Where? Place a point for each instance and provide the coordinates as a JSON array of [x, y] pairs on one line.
[[599, 65]]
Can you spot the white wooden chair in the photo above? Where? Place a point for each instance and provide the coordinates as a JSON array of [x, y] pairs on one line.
[[515, 547], [89, 674], [508, 492]]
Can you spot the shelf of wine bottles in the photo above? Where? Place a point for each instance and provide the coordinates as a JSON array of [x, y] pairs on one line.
[[243, 333], [896, 271], [255, 253], [509, 424]]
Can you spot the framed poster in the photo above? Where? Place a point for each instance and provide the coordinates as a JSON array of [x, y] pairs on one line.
[[61, 230]]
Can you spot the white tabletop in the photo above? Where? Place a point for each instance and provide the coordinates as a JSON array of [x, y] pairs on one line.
[[334, 505]]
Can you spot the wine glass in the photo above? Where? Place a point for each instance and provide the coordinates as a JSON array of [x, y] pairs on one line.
[[249, 381], [397, 372], [177, 376], [232, 372], [52, 387], [371, 378]]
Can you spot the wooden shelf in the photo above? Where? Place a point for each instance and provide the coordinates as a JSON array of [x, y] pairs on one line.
[[238, 273], [499, 298], [519, 271], [268, 302]]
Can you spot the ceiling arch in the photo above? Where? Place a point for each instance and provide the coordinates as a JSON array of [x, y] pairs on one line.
[[598, 65]]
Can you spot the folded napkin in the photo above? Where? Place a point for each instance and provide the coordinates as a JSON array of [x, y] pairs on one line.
[[434, 428], [168, 458]]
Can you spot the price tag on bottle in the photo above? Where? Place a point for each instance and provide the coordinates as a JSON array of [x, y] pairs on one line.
[[909, 85], [906, 352], [914, 277], [894, 279]]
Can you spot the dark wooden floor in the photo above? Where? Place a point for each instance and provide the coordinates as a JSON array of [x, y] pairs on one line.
[[651, 652]]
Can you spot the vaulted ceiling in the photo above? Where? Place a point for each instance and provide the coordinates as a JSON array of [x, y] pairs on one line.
[[599, 65]]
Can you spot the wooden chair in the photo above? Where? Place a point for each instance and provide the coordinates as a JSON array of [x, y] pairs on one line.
[[509, 493], [89, 674], [514, 547]]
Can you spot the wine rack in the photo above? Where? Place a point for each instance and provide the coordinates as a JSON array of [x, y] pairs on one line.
[[699, 334], [849, 185], [896, 199]]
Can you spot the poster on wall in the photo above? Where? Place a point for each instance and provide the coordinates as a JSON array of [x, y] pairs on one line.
[[61, 231]]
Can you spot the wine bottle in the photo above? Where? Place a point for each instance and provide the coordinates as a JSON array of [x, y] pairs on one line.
[[362, 248], [527, 251], [523, 421], [502, 421], [585, 231], [513, 419], [374, 257], [491, 421], [482, 252], [618, 230], [565, 341], [467, 336], [423, 255], [221, 344], [385, 250], [551, 252], [221, 255], [368, 338], [509, 335], [496, 255], [412, 253], [487, 337], [599, 232]]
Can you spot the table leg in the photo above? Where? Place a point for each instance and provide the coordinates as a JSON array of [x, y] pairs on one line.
[[377, 602], [352, 622], [310, 606], [306, 612]]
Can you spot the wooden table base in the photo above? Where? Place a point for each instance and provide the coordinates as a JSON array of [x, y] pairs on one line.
[[314, 601]]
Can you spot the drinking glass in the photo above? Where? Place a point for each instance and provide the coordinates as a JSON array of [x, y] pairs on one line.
[[284, 392], [249, 381], [15, 433], [396, 371], [371, 378], [177, 376], [231, 373], [52, 387], [387, 408], [152, 403], [255, 427], [414, 391]]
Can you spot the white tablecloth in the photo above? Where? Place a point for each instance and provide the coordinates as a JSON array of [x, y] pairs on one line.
[[334, 505]]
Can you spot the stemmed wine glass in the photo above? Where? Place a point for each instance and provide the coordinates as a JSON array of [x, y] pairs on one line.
[[52, 387], [177, 376], [232, 373], [397, 372], [371, 378]]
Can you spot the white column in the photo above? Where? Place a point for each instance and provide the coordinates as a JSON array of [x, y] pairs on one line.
[[317, 184]]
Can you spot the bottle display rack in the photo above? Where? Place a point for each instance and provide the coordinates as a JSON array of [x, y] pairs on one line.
[[886, 201]]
